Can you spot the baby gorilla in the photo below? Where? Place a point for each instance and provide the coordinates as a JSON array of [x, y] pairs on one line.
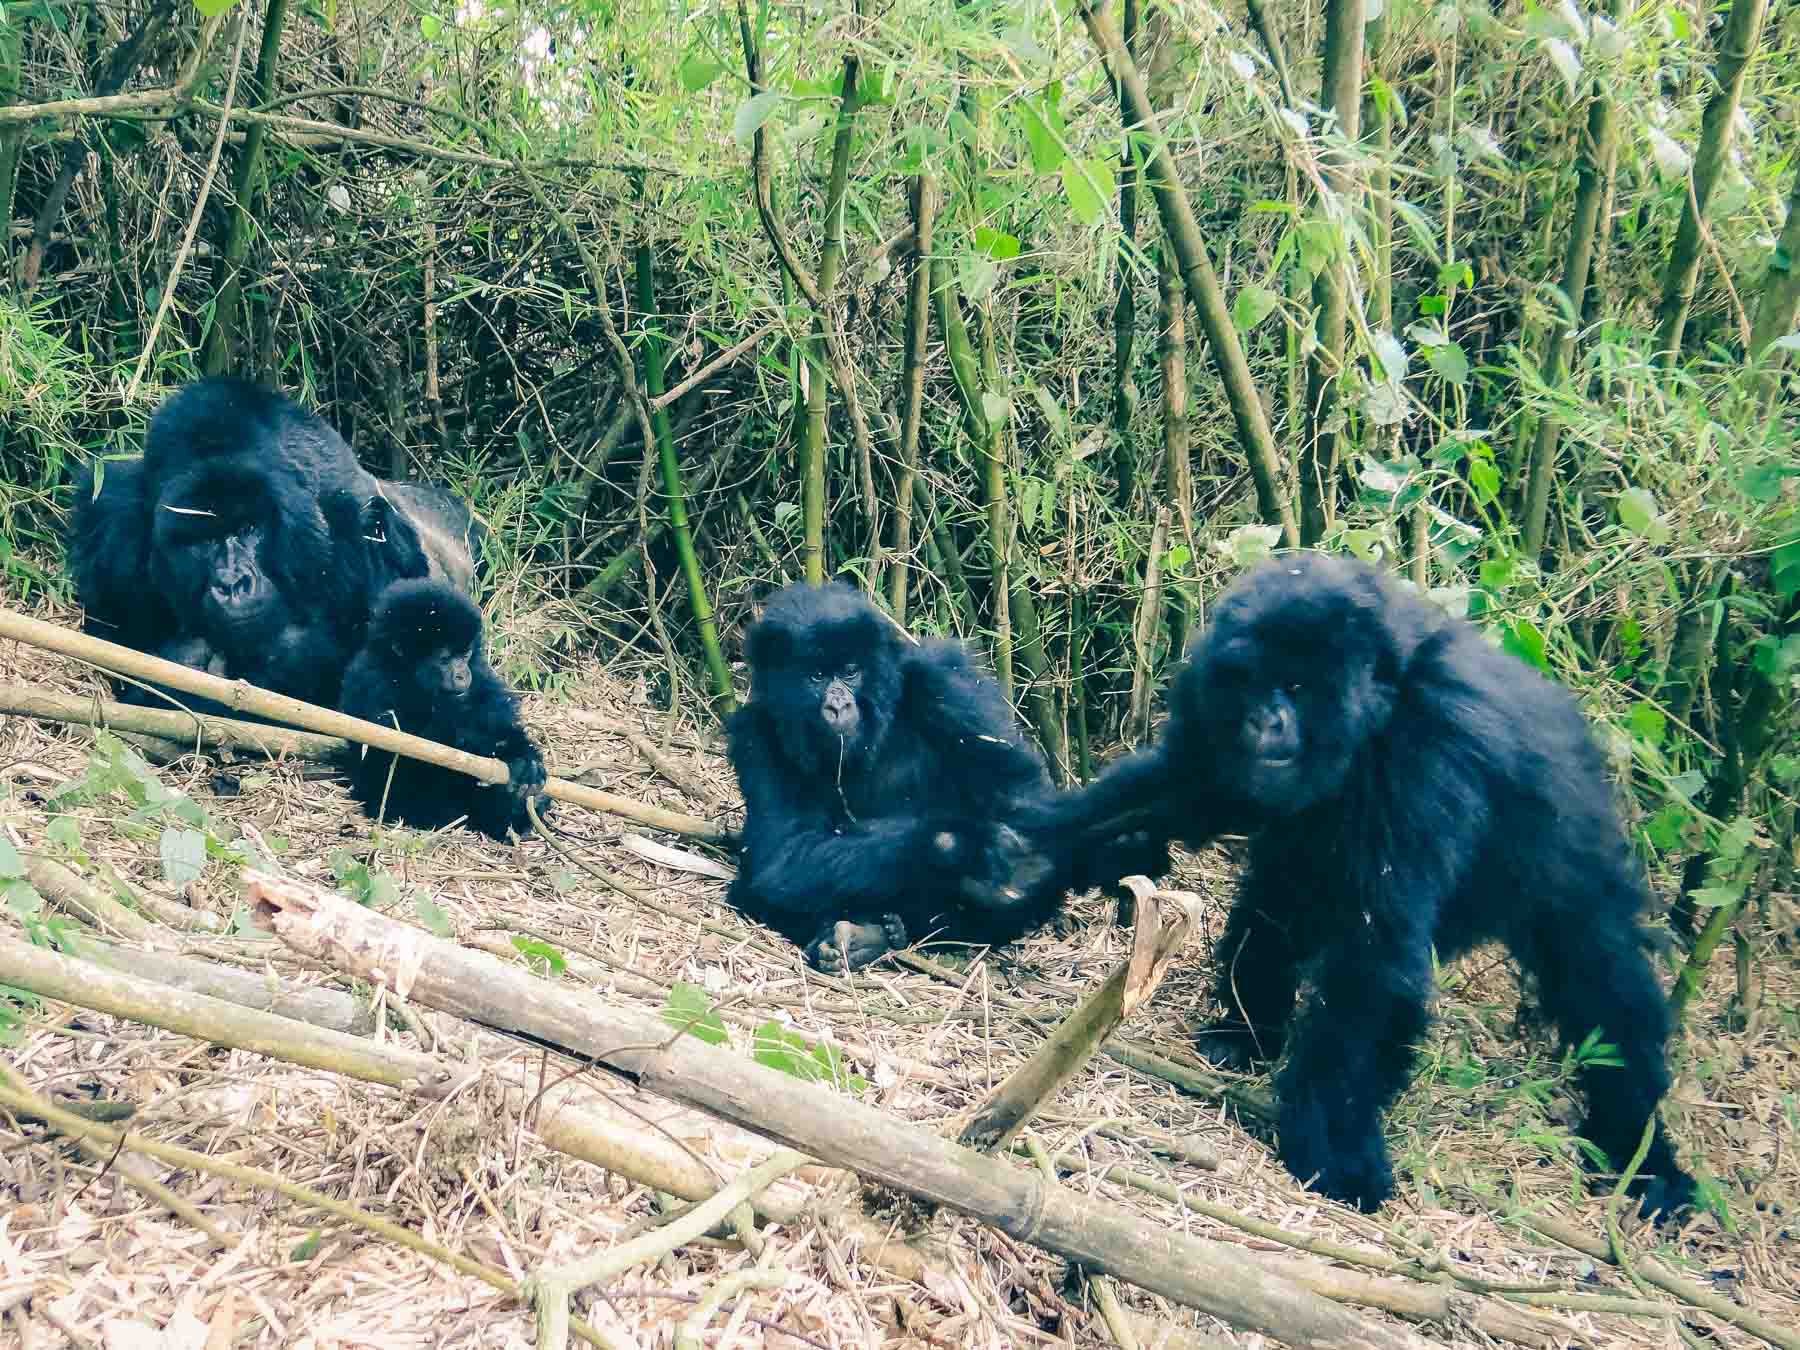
[[1408, 788], [878, 774], [422, 669]]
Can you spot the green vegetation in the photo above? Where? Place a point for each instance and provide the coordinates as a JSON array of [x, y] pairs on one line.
[[1504, 296]]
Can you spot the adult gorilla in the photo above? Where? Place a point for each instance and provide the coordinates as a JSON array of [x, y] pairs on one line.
[[1409, 789], [248, 542]]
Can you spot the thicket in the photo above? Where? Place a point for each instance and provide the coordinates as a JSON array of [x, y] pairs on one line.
[[1040, 319]]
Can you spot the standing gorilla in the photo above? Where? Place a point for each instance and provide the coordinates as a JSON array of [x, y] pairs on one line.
[[1407, 787], [248, 541], [422, 669], [878, 776]]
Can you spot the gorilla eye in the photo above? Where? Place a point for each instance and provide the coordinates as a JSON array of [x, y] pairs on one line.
[[850, 670], [1295, 687]]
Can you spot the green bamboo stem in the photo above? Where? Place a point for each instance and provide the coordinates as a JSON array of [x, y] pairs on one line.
[[1780, 296], [1202, 283], [1340, 91], [216, 356], [922, 195], [1737, 44], [1124, 315], [672, 487], [1596, 159]]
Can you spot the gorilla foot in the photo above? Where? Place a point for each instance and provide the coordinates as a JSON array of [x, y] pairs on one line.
[[1236, 1045], [847, 946], [1358, 1175]]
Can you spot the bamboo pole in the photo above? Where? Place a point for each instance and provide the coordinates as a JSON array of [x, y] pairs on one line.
[[839, 1131], [1202, 283], [243, 697]]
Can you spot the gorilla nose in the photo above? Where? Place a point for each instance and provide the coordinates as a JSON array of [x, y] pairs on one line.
[[1273, 731], [236, 591], [840, 711]]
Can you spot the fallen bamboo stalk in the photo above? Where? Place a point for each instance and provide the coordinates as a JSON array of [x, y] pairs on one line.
[[330, 1009], [70, 890], [837, 1130], [188, 730], [243, 697], [999, 1118], [560, 1122]]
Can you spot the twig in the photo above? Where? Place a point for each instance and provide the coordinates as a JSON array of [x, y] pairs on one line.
[[14, 1094], [193, 225], [551, 1290]]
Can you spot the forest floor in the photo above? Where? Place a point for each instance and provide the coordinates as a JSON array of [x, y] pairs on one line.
[[91, 1260]]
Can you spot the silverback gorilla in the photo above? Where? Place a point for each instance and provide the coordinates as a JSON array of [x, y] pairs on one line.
[[248, 541], [878, 776], [1408, 788]]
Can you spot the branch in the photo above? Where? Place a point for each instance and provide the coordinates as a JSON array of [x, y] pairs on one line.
[[237, 694], [838, 1131]]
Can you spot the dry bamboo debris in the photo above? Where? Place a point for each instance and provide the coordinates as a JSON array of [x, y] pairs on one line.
[[1100, 1235], [587, 1126], [238, 695]]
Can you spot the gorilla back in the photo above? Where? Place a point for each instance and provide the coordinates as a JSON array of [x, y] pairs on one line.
[[223, 547]]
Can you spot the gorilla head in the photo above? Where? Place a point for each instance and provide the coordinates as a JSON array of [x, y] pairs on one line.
[[824, 663], [1298, 674]]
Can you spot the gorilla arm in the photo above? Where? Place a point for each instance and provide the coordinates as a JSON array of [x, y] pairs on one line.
[[884, 879]]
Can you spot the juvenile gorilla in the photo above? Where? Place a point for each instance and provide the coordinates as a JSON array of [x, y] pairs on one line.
[[248, 542], [1407, 787], [878, 775], [422, 669]]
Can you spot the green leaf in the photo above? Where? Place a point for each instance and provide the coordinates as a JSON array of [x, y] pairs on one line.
[[1735, 837], [1087, 183], [1648, 723], [997, 244], [11, 864], [1638, 513], [1497, 573], [1450, 362], [1784, 569], [432, 915], [1525, 640], [308, 1246], [540, 957], [1042, 123], [997, 408], [1784, 769], [752, 113], [1252, 306], [1776, 658], [1390, 352], [1715, 897], [1248, 545], [183, 855], [698, 71], [213, 8], [65, 832], [689, 1009], [1667, 829], [22, 900], [1485, 479]]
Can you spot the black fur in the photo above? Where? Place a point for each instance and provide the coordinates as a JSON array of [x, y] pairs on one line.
[[248, 541], [422, 668], [878, 777], [1408, 787]]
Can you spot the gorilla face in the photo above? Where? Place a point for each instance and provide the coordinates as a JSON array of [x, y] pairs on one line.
[[1297, 675], [830, 681], [223, 552]]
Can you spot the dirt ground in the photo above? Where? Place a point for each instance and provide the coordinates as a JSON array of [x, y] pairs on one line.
[[88, 1259]]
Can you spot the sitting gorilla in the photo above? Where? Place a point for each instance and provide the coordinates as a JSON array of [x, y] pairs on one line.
[[1408, 788], [878, 776], [422, 669], [248, 542]]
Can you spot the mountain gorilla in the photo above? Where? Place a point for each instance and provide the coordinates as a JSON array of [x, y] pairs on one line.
[[1407, 787], [248, 541], [422, 669], [878, 777]]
